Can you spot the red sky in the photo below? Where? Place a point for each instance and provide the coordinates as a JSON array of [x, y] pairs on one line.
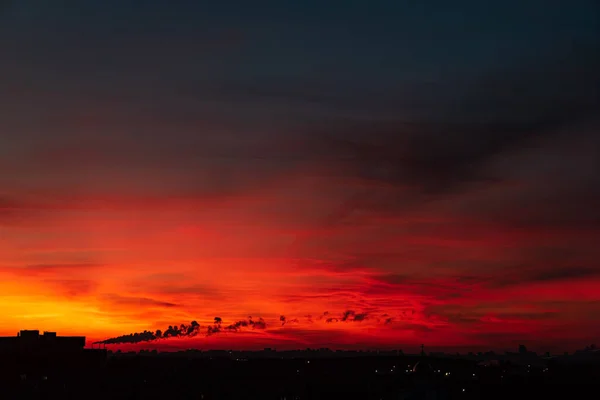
[[156, 171], [104, 266]]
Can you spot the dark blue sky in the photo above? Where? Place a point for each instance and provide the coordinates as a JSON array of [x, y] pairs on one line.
[[283, 76], [340, 51]]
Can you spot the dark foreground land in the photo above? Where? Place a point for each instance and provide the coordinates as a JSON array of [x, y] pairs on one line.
[[188, 376]]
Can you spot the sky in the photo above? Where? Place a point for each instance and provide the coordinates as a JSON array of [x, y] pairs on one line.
[[351, 174]]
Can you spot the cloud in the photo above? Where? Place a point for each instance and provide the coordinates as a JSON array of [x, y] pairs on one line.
[[417, 327], [146, 302], [520, 275], [453, 147], [560, 274], [73, 287], [54, 269]]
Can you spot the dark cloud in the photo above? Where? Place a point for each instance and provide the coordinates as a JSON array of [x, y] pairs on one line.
[[395, 279], [54, 267], [523, 275], [72, 287], [415, 327], [497, 114], [560, 274], [53, 270], [441, 289], [291, 298], [489, 316], [460, 319], [201, 291], [322, 94], [137, 301], [528, 316]]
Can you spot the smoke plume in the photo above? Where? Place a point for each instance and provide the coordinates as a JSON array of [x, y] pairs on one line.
[[183, 330], [236, 326], [215, 328], [347, 316]]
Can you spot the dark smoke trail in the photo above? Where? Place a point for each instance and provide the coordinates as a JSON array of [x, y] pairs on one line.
[[347, 314], [215, 328], [360, 317], [236, 326], [182, 330], [260, 324]]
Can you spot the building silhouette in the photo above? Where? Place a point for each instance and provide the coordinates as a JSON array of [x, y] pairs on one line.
[[31, 357], [31, 341]]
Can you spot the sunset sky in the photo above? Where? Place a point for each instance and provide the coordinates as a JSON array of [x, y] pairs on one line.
[[430, 166]]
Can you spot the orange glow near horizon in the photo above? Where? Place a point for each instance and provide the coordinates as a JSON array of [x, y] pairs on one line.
[[108, 267]]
